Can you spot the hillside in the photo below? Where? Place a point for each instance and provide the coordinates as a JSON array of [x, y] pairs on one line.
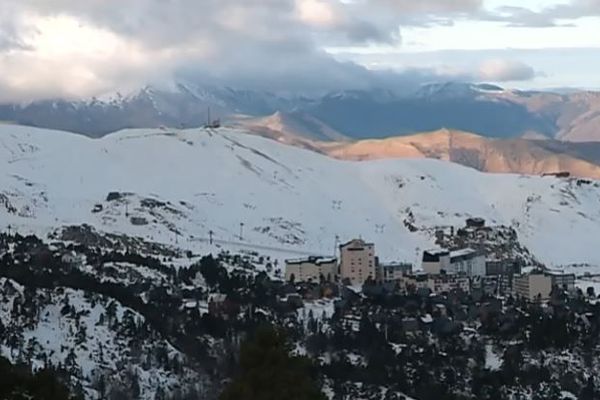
[[522, 156], [90, 336], [576, 115], [174, 187], [292, 127]]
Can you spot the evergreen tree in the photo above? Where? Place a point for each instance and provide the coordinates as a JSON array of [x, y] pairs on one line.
[[589, 391], [17, 382], [268, 372]]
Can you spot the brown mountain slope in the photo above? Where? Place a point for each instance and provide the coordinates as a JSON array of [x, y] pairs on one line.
[[292, 126], [521, 156], [576, 115]]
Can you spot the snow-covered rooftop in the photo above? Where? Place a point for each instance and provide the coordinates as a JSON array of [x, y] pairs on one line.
[[463, 252]]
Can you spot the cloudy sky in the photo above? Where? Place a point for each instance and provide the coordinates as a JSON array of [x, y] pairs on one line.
[[76, 48]]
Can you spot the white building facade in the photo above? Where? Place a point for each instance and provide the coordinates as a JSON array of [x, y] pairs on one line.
[[461, 262], [311, 269]]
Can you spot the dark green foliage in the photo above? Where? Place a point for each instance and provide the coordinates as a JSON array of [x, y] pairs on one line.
[[212, 272], [18, 383], [268, 372]]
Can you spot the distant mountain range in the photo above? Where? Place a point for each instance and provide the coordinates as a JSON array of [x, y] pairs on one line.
[[180, 107], [522, 156], [528, 156], [517, 155], [291, 127], [484, 109]]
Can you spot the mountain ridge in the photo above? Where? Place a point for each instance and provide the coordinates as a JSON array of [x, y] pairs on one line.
[[484, 109], [522, 156]]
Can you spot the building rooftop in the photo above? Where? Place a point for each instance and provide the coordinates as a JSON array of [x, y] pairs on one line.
[[528, 269], [395, 265], [357, 243], [557, 273], [312, 259], [437, 252], [463, 252]]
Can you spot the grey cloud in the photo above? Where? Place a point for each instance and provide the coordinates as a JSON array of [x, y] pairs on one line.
[[256, 44], [161, 21], [364, 32], [10, 41], [574, 10], [11, 30], [557, 15], [463, 65], [297, 73], [522, 17], [432, 6]]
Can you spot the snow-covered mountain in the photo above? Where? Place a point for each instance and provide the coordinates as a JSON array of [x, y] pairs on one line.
[[175, 187], [484, 109], [183, 105], [444, 90]]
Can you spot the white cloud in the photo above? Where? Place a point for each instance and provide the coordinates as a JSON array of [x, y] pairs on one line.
[[62, 58], [502, 70], [317, 12], [482, 35]]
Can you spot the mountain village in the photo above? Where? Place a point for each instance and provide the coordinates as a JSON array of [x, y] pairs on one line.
[[441, 271], [116, 289], [370, 324]]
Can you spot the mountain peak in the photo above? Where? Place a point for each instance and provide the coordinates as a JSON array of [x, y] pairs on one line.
[[456, 89]]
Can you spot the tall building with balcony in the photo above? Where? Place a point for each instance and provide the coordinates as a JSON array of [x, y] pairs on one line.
[[357, 261]]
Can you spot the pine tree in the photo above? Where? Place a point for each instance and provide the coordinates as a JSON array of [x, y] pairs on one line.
[[268, 372], [589, 390], [17, 382]]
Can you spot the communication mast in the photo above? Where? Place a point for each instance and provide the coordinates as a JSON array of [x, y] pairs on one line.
[[210, 123], [450, 144]]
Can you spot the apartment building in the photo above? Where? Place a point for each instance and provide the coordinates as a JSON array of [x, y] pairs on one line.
[[357, 261], [463, 262], [561, 279], [532, 285], [311, 269], [435, 261], [413, 282], [393, 272], [448, 283]]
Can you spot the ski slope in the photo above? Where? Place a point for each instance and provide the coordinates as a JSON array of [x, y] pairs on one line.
[[177, 186]]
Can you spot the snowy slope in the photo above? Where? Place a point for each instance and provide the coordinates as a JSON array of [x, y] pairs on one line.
[[179, 185]]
